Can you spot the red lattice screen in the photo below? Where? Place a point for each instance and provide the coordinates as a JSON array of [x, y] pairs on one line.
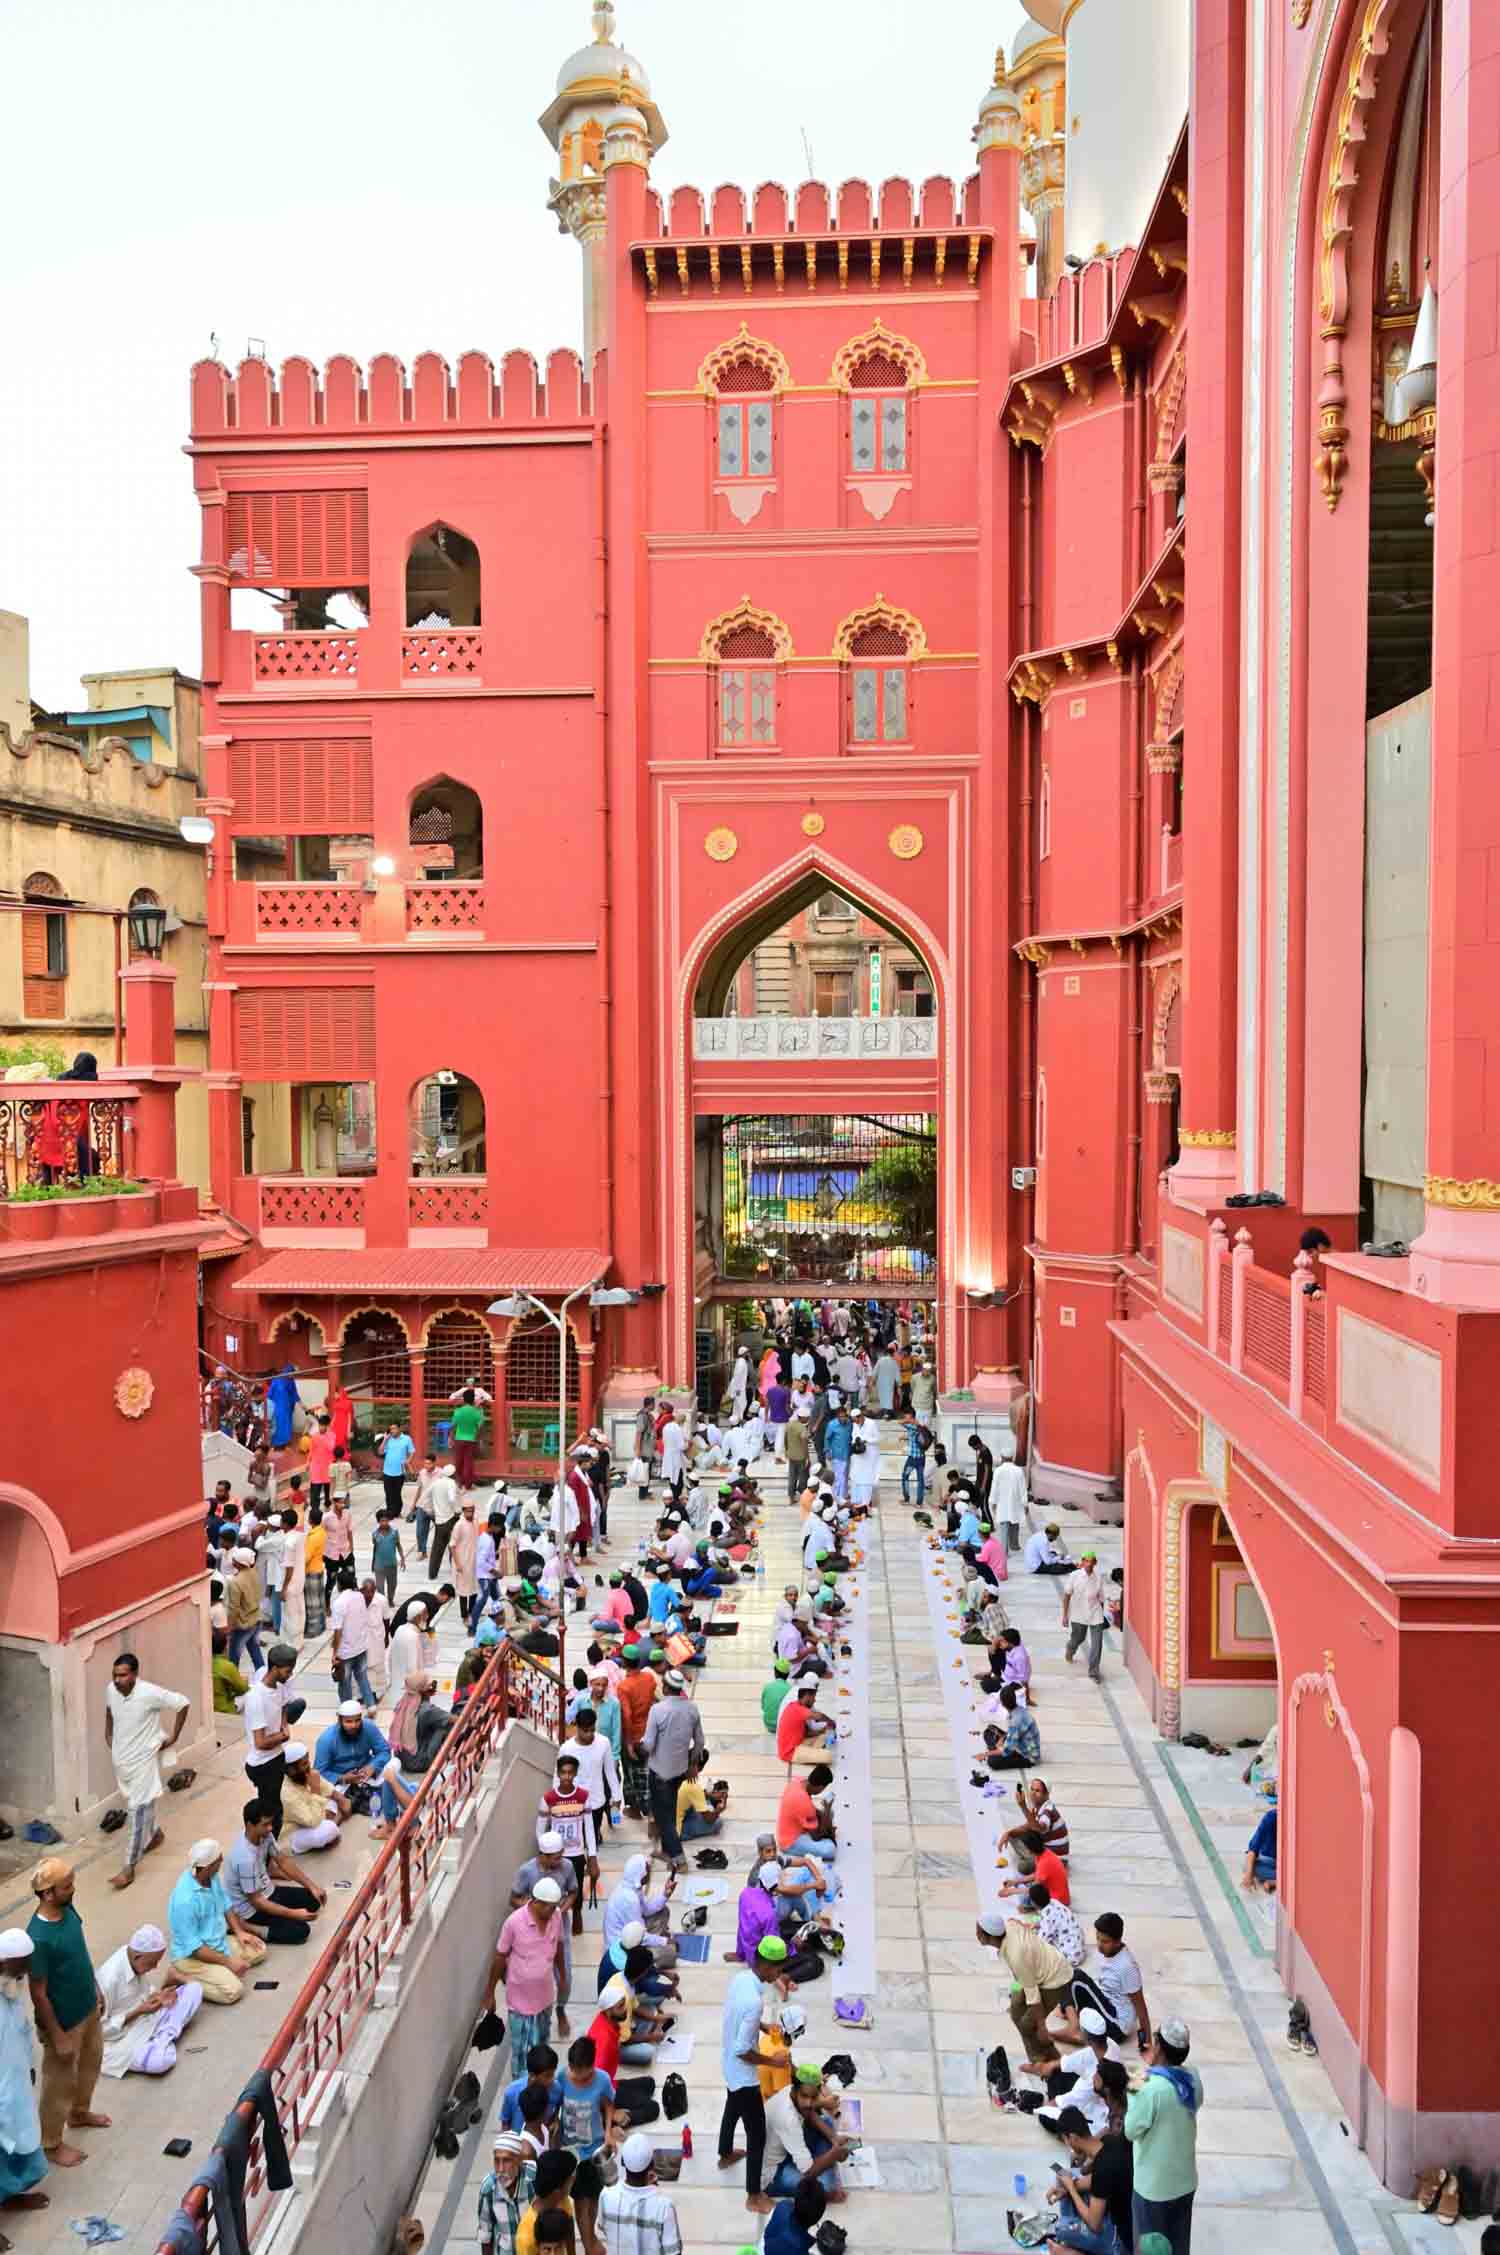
[[305, 1033], [300, 539], [1268, 1324], [878, 372], [747, 642], [1226, 1309], [879, 642], [316, 784], [531, 1367], [460, 1350], [311, 1205], [308, 908], [744, 376], [1315, 1365]]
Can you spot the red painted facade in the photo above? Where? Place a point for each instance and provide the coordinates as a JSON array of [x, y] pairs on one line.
[[1112, 803]]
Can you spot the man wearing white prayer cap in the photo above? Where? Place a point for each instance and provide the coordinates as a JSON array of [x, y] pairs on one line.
[[146, 2006], [211, 1944], [22, 2162], [308, 1803], [529, 1959], [632, 2212]]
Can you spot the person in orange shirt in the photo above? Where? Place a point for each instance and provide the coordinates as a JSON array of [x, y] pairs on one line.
[[802, 1729], [803, 1828], [636, 1692]]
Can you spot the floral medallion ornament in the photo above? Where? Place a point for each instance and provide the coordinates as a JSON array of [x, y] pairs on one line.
[[813, 824], [134, 1389], [721, 845], [906, 841]]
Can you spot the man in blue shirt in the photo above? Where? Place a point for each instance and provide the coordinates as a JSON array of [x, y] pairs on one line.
[[838, 1442], [541, 2074], [740, 2058], [351, 1753], [793, 2222], [398, 1450], [1022, 1747], [210, 1944], [1260, 1855], [914, 1465], [663, 1596]]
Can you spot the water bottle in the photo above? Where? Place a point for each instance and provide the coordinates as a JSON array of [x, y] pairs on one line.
[[1018, 2184]]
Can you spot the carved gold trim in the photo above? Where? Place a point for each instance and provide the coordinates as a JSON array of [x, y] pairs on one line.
[[813, 824], [1447, 1190], [1166, 685], [906, 841], [721, 844], [743, 347], [1207, 1139], [1361, 85], [1163, 759], [1301, 10], [880, 613], [1160, 1085], [744, 614], [877, 338]]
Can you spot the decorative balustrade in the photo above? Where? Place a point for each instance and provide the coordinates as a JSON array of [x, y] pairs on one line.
[[51, 1135], [335, 910], [292, 1202], [445, 905], [442, 654], [1171, 861], [721, 1039], [314, 2041], [306, 657], [460, 1201], [1273, 1329]]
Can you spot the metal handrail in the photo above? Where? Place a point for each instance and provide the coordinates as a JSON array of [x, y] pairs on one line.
[[330, 2007]]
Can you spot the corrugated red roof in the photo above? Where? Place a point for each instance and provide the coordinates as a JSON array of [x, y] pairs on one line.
[[417, 1272]]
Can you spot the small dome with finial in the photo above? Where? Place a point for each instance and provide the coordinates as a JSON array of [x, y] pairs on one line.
[[602, 73]]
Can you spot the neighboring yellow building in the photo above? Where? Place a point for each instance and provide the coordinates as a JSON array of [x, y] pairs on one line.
[[90, 803]]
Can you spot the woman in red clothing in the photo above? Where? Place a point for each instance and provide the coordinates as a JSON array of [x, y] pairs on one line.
[[342, 1408]]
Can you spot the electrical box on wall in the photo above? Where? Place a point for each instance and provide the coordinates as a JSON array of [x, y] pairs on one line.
[[1023, 1178]]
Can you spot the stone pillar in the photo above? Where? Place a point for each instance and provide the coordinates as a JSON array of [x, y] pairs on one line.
[[1457, 1256], [417, 1363], [151, 1062], [1211, 687]]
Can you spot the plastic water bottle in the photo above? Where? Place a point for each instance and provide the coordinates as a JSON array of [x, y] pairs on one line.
[[1018, 2184]]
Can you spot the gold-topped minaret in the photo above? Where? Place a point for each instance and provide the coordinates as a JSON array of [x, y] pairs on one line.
[[603, 97]]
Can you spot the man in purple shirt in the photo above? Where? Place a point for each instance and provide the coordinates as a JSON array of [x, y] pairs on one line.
[[761, 1911], [778, 1410]]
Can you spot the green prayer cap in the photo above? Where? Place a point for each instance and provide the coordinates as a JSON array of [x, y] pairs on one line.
[[772, 1949], [657, 1653], [807, 2074], [829, 1580], [783, 1667]]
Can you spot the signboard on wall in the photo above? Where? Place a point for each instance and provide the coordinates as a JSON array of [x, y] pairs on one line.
[[874, 982]]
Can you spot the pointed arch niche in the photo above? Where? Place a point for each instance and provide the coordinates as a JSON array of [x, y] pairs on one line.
[[797, 1054]]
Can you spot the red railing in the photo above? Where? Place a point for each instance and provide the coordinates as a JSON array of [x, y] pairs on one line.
[[442, 653], [459, 1201], [306, 657], [291, 909], [58, 1133], [445, 904], [296, 1202], [317, 2033], [1315, 1368], [1268, 1329]]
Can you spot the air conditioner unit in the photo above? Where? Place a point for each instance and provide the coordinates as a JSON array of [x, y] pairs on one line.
[[1023, 1178]]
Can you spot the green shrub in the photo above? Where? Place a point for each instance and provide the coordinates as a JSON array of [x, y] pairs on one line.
[[92, 1186]]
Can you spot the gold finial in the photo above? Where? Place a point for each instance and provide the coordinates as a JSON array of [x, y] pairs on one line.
[[999, 66], [604, 22]]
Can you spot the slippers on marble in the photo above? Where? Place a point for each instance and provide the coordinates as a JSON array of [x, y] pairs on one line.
[[1448, 2200]]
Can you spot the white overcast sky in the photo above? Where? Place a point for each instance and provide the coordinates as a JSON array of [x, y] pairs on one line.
[[355, 176]]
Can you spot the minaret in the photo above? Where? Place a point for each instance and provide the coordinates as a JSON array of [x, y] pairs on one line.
[[1038, 75], [597, 89]]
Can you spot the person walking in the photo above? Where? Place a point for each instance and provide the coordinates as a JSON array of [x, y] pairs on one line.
[[443, 1503], [1085, 1611], [65, 1998], [744, 2004], [321, 1445], [338, 1546], [1008, 1502], [673, 1454], [387, 1554], [349, 1618], [293, 1578], [796, 1446], [1161, 2122], [242, 1607], [529, 1961], [634, 2218], [914, 1463], [396, 1453], [672, 1741], [137, 1738]]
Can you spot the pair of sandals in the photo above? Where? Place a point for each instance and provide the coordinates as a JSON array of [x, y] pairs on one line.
[[1440, 2193], [1299, 2033]]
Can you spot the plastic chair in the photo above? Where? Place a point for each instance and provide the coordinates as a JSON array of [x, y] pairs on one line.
[[442, 1433], [549, 1439]]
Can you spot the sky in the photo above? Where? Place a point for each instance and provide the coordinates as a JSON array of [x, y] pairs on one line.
[[350, 176]]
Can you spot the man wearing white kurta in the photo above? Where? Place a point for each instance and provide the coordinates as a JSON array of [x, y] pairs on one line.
[[864, 1464], [145, 2010], [136, 1737], [1008, 1501], [673, 1453]]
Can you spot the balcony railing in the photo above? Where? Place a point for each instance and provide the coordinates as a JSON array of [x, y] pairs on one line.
[[310, 1203], [53, 1135], [326, 2021], [331, 911], [436, 655], [1171, 861], [459, 1201], [305, 657], [445, 905], [716, 1039], [1271, 1328]]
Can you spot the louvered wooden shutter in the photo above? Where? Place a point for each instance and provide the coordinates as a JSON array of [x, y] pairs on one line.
[[300, 539], [41, 996], [311, 784], [305, 1033]]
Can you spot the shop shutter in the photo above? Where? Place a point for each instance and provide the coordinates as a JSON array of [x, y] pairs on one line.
[[311, 784], [305, 1033], [300, 539]]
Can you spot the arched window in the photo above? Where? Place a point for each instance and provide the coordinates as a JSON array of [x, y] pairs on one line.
[[877, 416], [746, 436], [445, 831], [745, 647], [447, 1126], [442, 579], [878, 646], [44, 949]]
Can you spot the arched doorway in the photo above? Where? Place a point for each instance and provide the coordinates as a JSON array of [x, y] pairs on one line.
[[812, 1112]]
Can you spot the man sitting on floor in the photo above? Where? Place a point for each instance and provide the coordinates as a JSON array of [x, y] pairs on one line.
[[146, 2006], [310, 1806], [211, 1944], [803, 1731], [284, 1912]]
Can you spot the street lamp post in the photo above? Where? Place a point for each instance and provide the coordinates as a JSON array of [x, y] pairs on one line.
[[518, 1303]]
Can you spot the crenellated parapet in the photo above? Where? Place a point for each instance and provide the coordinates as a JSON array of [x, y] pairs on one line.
[[257, 400], [771, 211]]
